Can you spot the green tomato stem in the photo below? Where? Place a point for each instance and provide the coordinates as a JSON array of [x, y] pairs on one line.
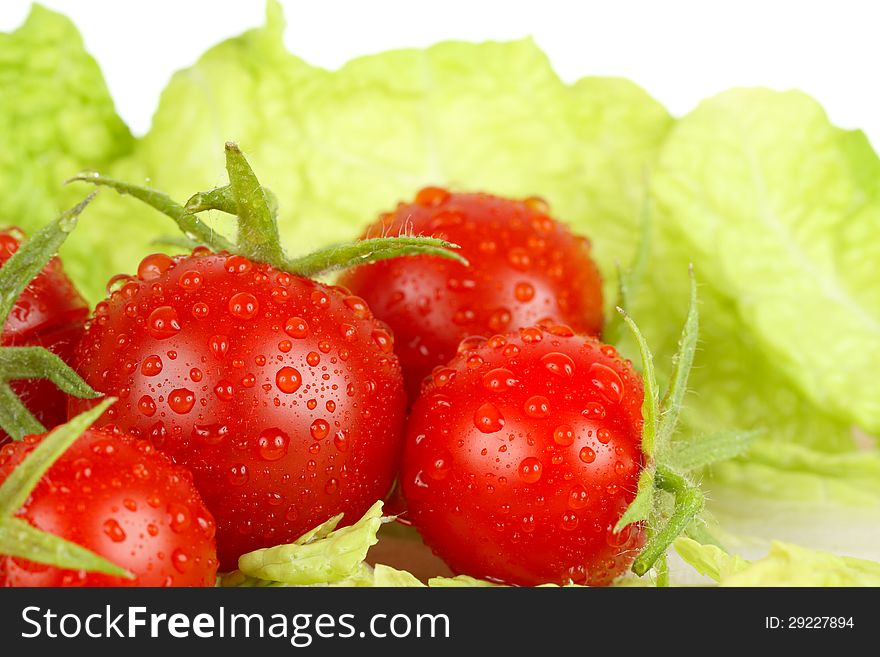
[[39, 363], [689, 501], [34, 253], [670, 406], [257, 230], [190, 224], [15, 419], [371, 250], [223, 199]]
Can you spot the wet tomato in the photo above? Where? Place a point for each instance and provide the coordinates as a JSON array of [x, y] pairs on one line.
[[281, 394], [525, 268], [122, 499], [522, 454]]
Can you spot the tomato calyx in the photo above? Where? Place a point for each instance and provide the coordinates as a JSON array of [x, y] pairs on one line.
[[668, 500], [256, 208], [20, 362], [18, 538]]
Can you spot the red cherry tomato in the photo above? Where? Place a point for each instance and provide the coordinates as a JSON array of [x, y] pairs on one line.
[[281, 394], [49, 313], [525, 268], [125, 501], [521, 456]]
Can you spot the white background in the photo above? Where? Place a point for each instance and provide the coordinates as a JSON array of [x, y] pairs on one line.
[[679, 50]]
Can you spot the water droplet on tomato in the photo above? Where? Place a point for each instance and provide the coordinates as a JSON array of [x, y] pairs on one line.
[[210, 434], [524, 291], [607, 381], [146, 405], [358, 306], [190, 280], [320, 299], [577, 497], [594, 410], [180, 519], [237, 264], [180, 560], [442, 376], [114, 530], [153, 266], [320, 429], [272, 444], [313, 358], [340, 440], [200, 310], [488, 418], [383, 340], [243, 305], [163, 323], [238, 474], [195, 374], [587, 455], [431, 197], [296, 327], [288, 380], [331, 486], [181, 400], [604, 436], [219, 346], [569, 521], [530, 470], [499, 379], [563, 435], [519, 258], [531, 334], [558, 363], [537, 407], [223, 390], [527, 522], [151, 366]]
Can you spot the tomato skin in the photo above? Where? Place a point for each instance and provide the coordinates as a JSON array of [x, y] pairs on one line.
[[521, 456], [525, 268], [49, 313], [122, 499], [281, 394]]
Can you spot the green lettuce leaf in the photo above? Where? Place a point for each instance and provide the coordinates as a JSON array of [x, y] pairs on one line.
[[324, 554], [784, 565], [56, 117], [775, 207], [339, 147]]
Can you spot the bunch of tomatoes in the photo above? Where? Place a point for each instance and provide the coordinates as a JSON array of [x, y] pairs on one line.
[[254, 402]]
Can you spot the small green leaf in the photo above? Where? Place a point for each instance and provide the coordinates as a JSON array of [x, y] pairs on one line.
[[193, 227], [257, 230], [223, 199], [379, 248], [38, 363], [688, 455], [336, 555], [15, 418], [15, 491], [33, 255], [650, 405], [20, 539], [670, 406], [640, 508]]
